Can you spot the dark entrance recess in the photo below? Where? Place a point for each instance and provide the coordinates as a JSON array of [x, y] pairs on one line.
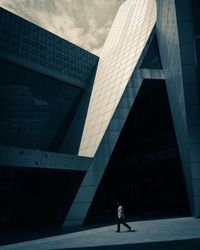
[[144, 171], [36, 198]]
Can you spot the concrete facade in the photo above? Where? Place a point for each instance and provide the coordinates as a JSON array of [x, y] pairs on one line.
[[179, 65], [175, 36], [98, 99]]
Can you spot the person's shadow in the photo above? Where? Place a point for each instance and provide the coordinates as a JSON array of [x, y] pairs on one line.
[[131, 231]]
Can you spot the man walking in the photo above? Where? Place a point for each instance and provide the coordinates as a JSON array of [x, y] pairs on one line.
[[121, 218]]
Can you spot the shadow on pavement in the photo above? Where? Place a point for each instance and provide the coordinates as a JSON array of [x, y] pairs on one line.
[[192, 244], [17, 236], [131, 231]]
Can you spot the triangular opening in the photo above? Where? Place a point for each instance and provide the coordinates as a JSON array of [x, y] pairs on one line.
[[152, 58], [144, 171]]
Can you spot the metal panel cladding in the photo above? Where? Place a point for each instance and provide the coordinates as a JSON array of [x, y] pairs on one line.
[[121, 52]]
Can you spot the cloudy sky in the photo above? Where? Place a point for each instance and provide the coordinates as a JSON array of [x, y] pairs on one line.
[[83, 22]]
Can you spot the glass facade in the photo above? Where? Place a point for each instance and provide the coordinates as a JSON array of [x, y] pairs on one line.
[[33, 108], [43, 78], [122, 50], [35, 198]]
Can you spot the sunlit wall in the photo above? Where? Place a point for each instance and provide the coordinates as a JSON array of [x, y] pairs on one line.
[[123, 47]]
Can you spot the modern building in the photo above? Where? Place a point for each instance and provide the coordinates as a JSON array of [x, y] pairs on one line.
[[80, 132]]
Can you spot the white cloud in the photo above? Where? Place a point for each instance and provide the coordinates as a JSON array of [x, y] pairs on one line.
[[83, 22]]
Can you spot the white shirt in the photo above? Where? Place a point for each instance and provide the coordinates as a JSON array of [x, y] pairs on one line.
[[120, 212]]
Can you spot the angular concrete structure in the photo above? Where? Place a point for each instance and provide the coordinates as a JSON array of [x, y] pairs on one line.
[[131, 123]]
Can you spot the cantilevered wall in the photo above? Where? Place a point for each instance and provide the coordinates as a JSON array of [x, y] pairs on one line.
[[112, 88], [121, 52]]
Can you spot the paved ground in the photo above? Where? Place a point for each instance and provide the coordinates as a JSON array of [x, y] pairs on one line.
[[165, 234]]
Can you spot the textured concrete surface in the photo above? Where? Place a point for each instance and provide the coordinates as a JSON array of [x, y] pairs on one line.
[[178, 233]]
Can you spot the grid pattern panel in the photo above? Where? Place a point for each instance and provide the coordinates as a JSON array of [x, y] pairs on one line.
[[172, 16], [33, 108], [122, 50], [25, 40]]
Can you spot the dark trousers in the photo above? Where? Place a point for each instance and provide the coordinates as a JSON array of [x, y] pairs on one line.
[[121, 221]]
